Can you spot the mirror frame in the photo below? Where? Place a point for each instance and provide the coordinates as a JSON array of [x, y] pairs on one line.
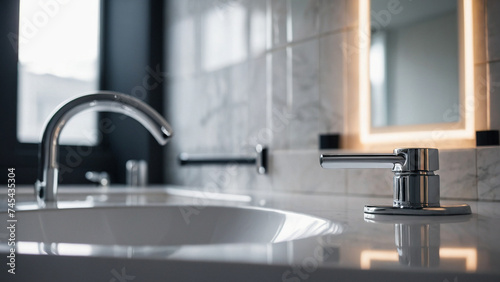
[[473, 95]]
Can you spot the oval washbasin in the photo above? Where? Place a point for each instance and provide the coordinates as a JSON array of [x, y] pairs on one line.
[[166, 225]]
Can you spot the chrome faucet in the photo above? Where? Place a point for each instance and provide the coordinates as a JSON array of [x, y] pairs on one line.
[[416, 186], [102, 101]]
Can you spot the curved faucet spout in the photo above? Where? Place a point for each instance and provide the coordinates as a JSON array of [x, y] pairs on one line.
[[103, 101]]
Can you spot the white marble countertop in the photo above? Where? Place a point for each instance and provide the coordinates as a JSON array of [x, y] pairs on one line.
[[452, 248]]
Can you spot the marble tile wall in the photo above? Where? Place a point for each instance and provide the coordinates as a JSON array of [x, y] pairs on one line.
[[273, 72], [467, 174], [246, 72], [457, 171], [488, 173]]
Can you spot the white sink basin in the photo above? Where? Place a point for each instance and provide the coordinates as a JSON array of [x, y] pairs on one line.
[[165, 226], [173, 241]]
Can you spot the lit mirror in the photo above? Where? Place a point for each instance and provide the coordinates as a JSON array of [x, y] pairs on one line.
[[416, 75], [414, 62]]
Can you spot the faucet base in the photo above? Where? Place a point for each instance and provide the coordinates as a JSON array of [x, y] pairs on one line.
[[459, 209]]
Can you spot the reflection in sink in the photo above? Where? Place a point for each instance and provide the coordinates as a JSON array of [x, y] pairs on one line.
[[167, 226]]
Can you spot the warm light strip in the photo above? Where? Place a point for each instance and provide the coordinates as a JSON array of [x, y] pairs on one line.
[[368, 255], [469, 254], [366, 137], [469, 66], [364, 69]]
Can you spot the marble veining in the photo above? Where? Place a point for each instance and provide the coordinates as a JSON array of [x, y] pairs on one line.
[[332, 15], [370, 182], [240, 109], [305, 96], [304, 17], [331, 84], [280, 120], [300, 172], [283, 86], [183, 53], [278, 25], [457, 171], [258, 131], [488, 173]]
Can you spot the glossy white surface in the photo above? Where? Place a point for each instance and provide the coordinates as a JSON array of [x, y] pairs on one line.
[[456, 248], [165, 226]]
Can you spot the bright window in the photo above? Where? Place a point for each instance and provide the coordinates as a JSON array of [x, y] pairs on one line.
[[58, 59]]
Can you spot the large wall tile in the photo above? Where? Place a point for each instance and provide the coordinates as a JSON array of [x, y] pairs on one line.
[[259, 130], [331, 15], [248, 179], [217, 117], [181, 175], [259, 38], [493, 29], [335, 15], [331, 83], [300, 171], [457, 172], [183, 52], [303, 19], [239, 97], [185, 98], [280, 108], [488, 173], [304, 127], [494, 92], [219, 178], [370, 182], [224, 35], [233, 177]]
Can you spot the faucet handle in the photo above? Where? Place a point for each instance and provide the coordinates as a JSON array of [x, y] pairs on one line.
[[361, 161], [419, 159], [402, 160]]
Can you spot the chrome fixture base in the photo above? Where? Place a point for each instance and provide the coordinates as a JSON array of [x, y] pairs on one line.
[[416, 185], [459, 209]]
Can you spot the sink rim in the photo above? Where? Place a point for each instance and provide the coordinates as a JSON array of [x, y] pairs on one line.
[[91, 195], [160, 251]]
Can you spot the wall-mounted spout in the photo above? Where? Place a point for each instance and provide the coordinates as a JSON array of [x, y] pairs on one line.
[[260, 160], [103, 101]]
